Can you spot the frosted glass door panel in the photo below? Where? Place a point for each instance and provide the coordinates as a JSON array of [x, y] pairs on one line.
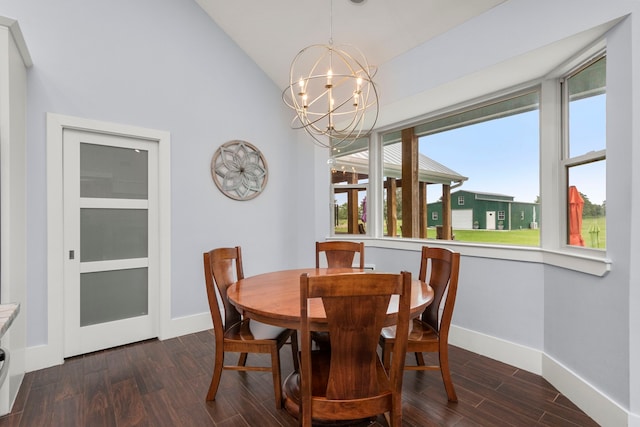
[[113, 172], [108, 234], [113, 295]]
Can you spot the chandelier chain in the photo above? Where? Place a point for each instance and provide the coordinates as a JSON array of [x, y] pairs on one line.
[[332, 92], [330, 22]]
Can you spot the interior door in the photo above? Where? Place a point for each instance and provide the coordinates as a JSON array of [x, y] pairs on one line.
[[111, 247]]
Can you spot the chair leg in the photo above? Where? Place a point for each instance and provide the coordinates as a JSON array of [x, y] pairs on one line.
[[218, 365], [443, 355], [419, 358], [275, 370], [242, 360], [294, 351], [395, 416], [395, 420]]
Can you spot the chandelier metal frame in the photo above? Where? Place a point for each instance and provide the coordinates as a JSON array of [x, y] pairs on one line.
[[332, 92]]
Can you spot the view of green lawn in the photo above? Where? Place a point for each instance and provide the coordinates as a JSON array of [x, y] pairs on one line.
[[594, 234], [525, 237]]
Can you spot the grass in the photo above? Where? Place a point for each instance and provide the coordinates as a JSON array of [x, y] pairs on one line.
[[594, 234], [525, 237]]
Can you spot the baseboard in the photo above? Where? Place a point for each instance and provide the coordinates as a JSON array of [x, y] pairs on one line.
[[597, 405], [45, 355], [42, 356], [186, 325], [504, 351]]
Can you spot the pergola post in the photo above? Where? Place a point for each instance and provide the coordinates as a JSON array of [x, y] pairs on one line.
[[446, 212], [410, 196], [422, 186], [392, 209], [352, 204]]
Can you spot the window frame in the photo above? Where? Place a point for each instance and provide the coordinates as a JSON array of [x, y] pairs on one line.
[[566, 160], [552, 250]]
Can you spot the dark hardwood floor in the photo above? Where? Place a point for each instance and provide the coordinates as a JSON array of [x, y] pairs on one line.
[[163, 383]]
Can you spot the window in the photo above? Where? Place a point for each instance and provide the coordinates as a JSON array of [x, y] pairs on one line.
[[485, 157], [349, 185], [584, 153], [474, 170]]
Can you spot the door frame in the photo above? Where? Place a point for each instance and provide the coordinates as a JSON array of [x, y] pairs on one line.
[[56, 123]]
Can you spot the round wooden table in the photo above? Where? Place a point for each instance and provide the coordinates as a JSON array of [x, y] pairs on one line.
[[274, 298]]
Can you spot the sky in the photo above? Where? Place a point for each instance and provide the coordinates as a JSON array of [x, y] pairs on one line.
[[502, 155]]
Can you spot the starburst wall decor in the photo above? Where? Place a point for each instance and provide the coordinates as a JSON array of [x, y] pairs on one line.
[[239, 170]]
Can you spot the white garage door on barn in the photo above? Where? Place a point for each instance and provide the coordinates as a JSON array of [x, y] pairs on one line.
[[462, 218]]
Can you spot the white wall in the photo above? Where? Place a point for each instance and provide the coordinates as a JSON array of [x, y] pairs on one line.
[[578, 307], [14, 59], [161, 64]]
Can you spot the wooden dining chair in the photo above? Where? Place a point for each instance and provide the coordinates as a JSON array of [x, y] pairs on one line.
[[237, 334], [427, 334], [340, 253], [350, 382]]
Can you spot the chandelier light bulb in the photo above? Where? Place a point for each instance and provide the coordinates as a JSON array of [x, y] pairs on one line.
[[333, 94]]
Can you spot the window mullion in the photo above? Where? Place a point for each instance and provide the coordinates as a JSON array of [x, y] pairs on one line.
[[551, 179]]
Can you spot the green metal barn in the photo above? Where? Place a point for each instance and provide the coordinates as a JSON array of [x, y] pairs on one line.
[[487, 211]]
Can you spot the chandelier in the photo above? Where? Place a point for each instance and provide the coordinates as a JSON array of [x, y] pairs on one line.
[[332, 92]]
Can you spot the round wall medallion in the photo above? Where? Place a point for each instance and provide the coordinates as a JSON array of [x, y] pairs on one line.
[[239, 170]]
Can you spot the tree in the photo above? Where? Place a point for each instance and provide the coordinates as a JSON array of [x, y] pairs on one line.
[[342, 211], [589, 209]]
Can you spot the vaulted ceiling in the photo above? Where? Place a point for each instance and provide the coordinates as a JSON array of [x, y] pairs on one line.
[[273, 32]]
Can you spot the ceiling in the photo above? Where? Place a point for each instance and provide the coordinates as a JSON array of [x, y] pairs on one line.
[[273, 32]]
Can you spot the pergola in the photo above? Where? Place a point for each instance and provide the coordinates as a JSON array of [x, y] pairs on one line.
[[413, 182]]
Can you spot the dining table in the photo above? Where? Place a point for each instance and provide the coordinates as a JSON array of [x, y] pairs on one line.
[[274, 298]]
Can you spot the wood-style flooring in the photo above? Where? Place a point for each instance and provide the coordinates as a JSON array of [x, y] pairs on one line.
[[163, 383]]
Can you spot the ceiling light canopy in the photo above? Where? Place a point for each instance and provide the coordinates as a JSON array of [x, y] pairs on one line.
[[331, 89]]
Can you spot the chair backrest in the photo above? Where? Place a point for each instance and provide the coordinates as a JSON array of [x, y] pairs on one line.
[[340, 254], [222, 267], [443, 266], [356, 307]]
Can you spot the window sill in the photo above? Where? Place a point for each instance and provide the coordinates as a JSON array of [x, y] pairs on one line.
[[595, 264]]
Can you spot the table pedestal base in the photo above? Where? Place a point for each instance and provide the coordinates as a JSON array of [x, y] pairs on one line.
[[291, 391]]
